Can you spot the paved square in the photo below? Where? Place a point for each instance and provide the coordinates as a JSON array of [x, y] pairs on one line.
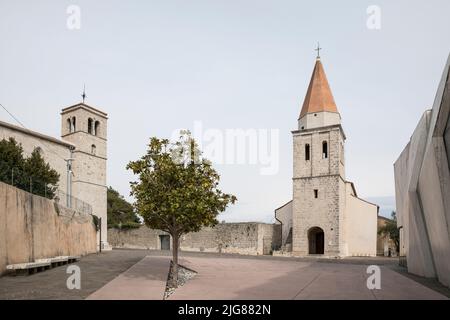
[[243, 279], [142, 275]]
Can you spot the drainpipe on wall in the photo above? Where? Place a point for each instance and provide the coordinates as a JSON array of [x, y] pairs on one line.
[[69, 179], [100, 244]]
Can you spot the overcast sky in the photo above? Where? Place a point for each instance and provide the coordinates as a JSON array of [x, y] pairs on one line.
[[155, 66]]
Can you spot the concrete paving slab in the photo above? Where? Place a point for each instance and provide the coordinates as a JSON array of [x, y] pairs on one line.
[[395, 286], [241, 279], [338, 282], [146, 280]]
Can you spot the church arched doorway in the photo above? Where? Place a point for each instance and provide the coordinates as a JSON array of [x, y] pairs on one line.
[[316, 240]]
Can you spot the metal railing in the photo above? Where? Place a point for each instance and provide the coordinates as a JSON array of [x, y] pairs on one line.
[[25, 181], [72, 202]]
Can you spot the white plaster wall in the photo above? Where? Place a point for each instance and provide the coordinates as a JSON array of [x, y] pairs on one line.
[[319, 119], [361, 226], [284, 214]]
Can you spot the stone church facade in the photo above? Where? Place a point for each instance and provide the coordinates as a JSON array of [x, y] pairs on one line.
[[80, 157], [325, 217]]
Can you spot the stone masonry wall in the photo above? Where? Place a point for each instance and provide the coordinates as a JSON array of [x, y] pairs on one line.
[[240, 238], [325, 176]]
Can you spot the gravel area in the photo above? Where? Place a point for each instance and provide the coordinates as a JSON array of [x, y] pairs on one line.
[[184, 275]]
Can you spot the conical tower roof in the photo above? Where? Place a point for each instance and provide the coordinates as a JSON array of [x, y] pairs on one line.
[[318, 97]]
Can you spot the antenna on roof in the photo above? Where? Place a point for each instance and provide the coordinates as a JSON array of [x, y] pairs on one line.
[[84, 93]]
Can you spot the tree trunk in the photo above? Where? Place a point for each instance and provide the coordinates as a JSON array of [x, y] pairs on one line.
[[175, 245]]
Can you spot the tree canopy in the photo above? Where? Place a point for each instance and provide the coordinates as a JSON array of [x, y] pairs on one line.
[[177, 190], [121, 214], [390, 230], [32, 174]]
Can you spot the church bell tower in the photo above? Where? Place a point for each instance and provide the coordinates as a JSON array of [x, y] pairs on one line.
[[86, 128], [319, 172]]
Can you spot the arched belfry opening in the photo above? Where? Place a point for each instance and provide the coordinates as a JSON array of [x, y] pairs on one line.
[[316, 241], [90, 126], [97, 128], [72, 124]]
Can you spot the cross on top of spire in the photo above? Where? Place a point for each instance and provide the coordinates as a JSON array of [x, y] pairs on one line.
[[318, 50]]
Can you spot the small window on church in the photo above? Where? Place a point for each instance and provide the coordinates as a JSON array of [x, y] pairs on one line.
[[93, 149], [324, 150], [90, 126], [316, 193], [307, 152], [69, 125]]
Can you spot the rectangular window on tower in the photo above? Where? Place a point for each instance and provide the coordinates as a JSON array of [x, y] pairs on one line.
[[316, 193], [307, 152], [324, 150]]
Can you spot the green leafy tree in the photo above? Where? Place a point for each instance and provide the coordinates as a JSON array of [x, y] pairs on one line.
[[29, 174], [121, 214], [44, 180], [177, 190], [390, 230], [11, 158]]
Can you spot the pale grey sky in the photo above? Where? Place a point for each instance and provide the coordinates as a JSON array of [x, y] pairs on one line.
[[155, 66]]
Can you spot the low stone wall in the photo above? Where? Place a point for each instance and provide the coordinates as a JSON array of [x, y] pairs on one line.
[[241, 238], [33, 227]]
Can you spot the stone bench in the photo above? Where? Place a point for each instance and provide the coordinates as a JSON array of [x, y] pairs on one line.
[[56, 261], [29, 267], [73, 259], [41, 265]]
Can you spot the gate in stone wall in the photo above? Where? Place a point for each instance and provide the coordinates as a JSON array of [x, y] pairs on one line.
[[267, 246]]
